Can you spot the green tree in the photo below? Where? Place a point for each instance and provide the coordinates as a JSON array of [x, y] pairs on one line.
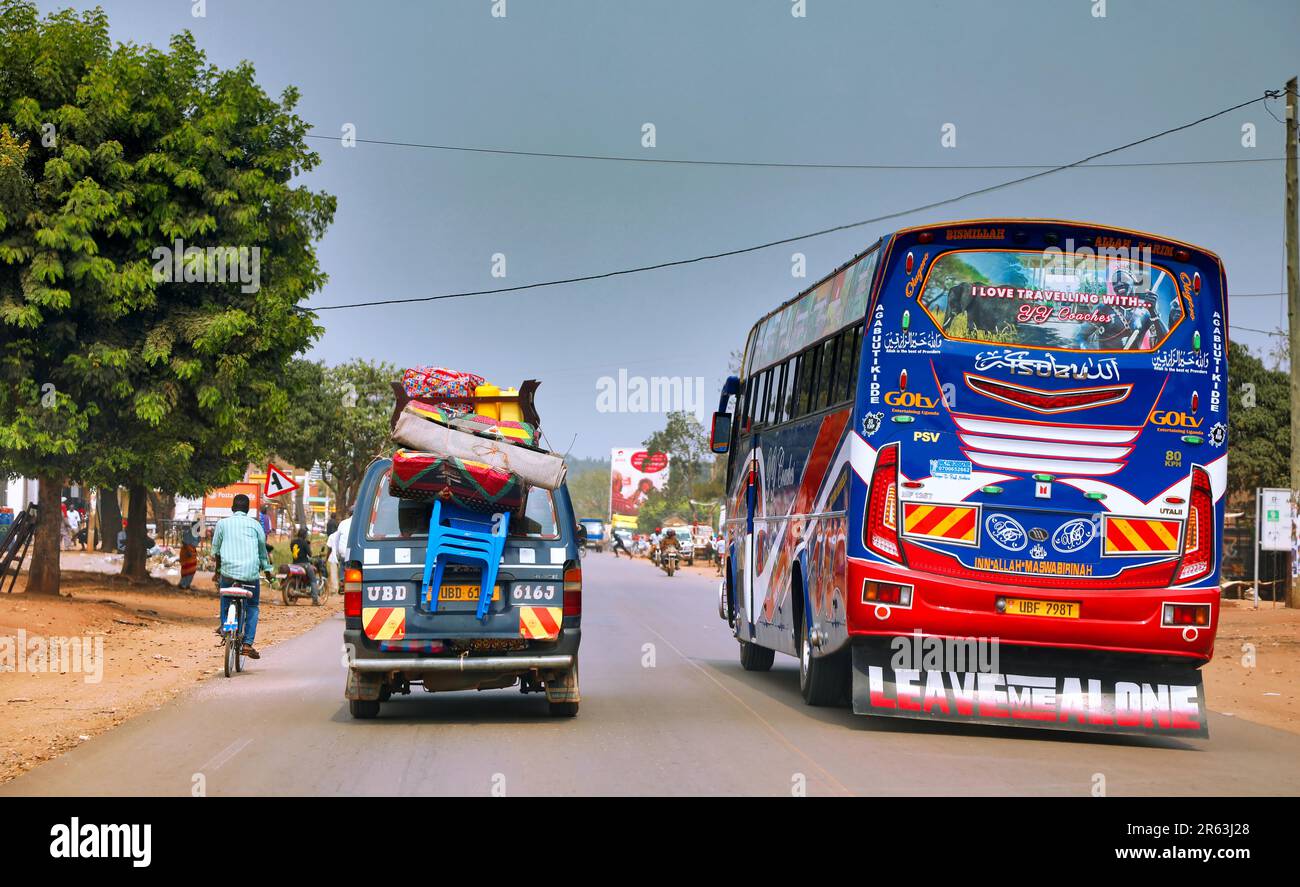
[[690, 461], [1259, 423], [362, 391], [589, 490], [118, 370], [686, 442], [311, 419]]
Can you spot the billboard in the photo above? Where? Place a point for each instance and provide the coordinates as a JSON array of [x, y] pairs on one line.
[[634, 473], [1275, 520], [216, 503]]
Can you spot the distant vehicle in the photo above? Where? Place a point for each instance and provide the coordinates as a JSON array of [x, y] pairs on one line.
[[595, 532], [397, 639], [686, 548], [1002, 429]]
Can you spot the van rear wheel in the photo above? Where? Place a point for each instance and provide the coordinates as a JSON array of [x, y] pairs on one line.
[[755, 658], [563, 709], [363, 709]]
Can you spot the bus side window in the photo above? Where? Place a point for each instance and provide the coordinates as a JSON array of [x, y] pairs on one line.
[[800, 402], [760, 399], [775, 396], [845, 374], [793, 366], [826, 377], [854, 338], [747, 404]]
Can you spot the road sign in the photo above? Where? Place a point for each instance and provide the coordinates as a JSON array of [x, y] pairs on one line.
[[1275, 520], [277, 483]]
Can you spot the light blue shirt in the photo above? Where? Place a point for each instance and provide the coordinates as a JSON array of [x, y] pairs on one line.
[[241, 545]]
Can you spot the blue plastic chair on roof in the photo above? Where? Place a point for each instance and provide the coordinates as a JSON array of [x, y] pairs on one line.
[[460, 536]]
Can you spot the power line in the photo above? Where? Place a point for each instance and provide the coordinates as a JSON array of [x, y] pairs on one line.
[[760, 164], [1251, 329], [796, 238]]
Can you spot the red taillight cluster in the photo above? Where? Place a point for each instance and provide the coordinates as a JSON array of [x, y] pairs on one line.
[[572, 589], [1198, 535], [352, 592], [1182, 615], [880, 529], [886, 593]]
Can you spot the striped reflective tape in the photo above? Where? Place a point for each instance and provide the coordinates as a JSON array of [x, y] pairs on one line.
[[540, 623], [384, 623], [1129, 535], [956, 523]]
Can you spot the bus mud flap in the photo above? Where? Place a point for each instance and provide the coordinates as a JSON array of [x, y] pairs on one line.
[[1031, 690]]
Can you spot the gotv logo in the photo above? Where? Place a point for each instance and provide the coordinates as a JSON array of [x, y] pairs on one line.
[[1174, 419], [910, 399]]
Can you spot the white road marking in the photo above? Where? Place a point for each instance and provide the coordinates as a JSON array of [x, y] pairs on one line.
[[826, 776], [225, 755]]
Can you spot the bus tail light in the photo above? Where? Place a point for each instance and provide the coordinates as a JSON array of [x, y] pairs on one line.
[[352, 592], [880, 530], [886, 594], [1198, 535], [1183, 615], [572, 589]]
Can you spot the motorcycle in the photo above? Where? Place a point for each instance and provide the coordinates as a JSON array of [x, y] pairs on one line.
[[292, 581], [669, 561]]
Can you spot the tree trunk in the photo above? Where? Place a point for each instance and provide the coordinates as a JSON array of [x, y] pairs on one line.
[[110, 519], [43, 576], [299, 505], [133, 564]]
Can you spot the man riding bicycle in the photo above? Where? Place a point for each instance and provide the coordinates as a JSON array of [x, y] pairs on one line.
[[239, 545]]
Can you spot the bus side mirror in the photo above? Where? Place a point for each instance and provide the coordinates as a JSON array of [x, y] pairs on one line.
[[720, 435]]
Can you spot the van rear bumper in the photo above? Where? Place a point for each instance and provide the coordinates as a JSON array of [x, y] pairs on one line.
[[464, 663]]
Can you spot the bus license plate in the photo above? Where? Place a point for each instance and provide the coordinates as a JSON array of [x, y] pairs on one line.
[[1018, 606], [462, 594]]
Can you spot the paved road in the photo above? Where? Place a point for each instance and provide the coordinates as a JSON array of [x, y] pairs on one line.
[[693, 723]]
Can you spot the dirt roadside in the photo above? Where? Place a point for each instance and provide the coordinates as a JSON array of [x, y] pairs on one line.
[[1255, 672], [157, 641]]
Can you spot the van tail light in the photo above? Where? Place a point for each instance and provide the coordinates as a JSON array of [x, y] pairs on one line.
[[1198, 535], [880, 529], [572, 589], [352, 592]]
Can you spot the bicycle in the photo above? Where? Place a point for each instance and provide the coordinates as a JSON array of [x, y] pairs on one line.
[[232, 626]]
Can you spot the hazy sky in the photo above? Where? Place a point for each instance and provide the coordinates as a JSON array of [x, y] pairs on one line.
[[852, 82]]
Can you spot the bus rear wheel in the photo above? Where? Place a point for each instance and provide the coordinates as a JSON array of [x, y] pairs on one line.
[[822, 680], [755, 658]]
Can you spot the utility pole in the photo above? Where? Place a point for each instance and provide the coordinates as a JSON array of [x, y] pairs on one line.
[[1293, 304]]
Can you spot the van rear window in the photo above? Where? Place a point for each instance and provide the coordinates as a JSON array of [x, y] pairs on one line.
[[393, 518], [1046, 300]]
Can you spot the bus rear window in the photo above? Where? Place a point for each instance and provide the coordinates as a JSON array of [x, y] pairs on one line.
[[393, 518], [1046, 300]]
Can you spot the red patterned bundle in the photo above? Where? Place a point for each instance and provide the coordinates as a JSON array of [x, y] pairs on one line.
[[464, 482], [440, 385]]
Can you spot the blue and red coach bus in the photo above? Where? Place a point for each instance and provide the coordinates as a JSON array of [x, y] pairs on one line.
[[1009, 432]]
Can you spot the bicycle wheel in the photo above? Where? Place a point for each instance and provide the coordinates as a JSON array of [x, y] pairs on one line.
[[231, 655]]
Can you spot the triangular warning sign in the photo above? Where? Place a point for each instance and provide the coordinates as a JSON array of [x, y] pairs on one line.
[[277, 483]]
